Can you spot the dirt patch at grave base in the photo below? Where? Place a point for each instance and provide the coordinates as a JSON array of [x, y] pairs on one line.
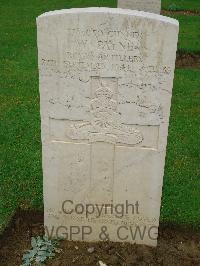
[[180, 12], [175, 247], [187, 60]]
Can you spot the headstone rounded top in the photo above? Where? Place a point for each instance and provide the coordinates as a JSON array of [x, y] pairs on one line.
[[106, 79], [113, 11]]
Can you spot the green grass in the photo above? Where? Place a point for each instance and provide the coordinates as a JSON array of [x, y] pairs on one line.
[[189, 33], [192, 5], [181, 193], [20, 150]]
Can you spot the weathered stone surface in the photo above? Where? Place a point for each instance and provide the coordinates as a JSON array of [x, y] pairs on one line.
[[152, 6], [106, 79]]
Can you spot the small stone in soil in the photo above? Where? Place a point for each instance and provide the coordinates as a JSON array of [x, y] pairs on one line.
[[90, 250], [101, 263]]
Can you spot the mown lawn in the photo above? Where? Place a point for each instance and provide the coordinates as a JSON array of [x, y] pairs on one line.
[[189, 33], [192, 5], [20, 150], [181, 190]]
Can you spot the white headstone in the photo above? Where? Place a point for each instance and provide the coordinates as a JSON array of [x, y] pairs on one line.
[[152, 6], [106, 78]]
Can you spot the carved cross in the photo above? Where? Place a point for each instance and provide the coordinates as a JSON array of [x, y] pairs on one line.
[[104, 131]]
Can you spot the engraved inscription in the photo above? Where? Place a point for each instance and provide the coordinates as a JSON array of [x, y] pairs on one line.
[[105, 87]]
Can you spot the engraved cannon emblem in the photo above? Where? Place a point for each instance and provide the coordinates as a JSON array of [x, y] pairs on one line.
[[104, 124]]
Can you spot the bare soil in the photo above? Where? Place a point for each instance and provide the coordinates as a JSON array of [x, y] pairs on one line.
[[180, 12], [176, 246], [187, 60]]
